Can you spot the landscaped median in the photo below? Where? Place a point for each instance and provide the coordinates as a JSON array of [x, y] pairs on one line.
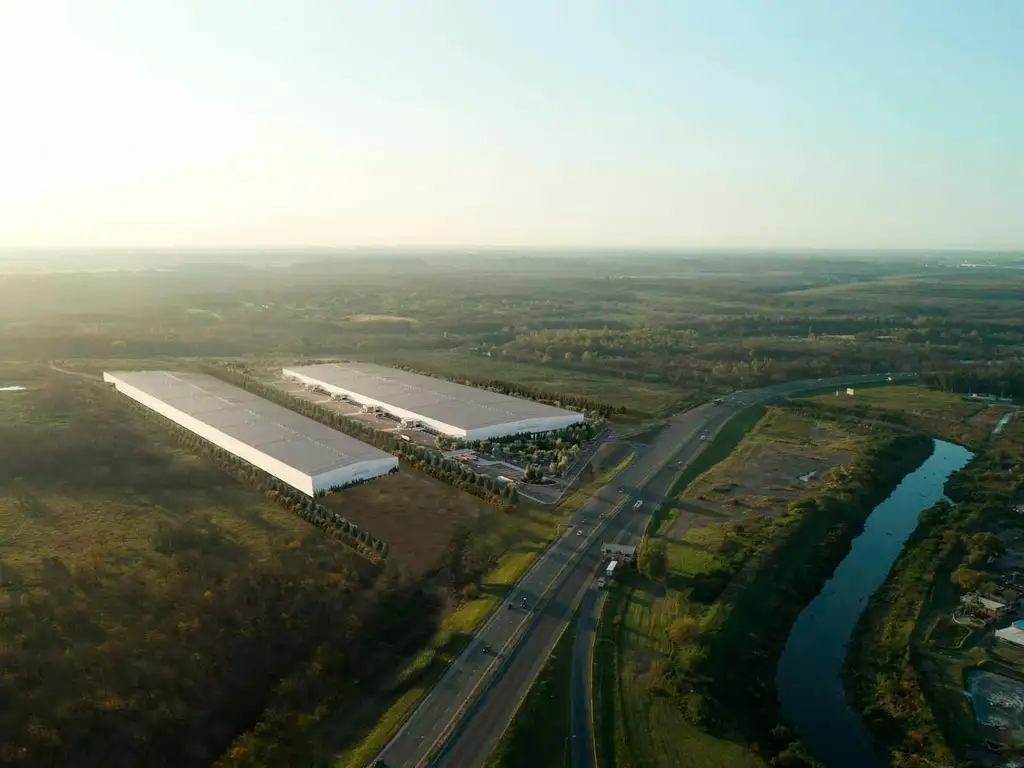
[[586, 487], [537, 737]]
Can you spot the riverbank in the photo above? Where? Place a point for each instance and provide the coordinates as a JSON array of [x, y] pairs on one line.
[[739, 688], [909, 660], [686, 651], [809, 677]]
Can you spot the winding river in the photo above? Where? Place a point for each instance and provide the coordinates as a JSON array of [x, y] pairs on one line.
[[809, 678]]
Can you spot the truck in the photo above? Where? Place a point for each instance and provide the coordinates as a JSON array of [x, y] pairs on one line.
[[609, 572]]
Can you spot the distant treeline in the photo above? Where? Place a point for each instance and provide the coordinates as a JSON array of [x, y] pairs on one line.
[[327, 520], [454, 473]]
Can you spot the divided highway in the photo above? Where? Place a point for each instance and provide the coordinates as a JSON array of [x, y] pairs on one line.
[[464, 715]]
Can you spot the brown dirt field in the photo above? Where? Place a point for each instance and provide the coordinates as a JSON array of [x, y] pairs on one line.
[[415, 514], [764, 474]]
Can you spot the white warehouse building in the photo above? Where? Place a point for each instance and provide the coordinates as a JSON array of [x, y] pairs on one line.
[[297, 450], [451, 409]]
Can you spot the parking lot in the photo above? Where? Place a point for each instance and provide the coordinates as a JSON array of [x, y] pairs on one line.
[[348, 409]]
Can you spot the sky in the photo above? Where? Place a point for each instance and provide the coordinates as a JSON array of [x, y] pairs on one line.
[[575, 123]]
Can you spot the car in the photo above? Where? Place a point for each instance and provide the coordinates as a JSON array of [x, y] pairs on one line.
[[579, 531], [487, 649], [622, 489], [704, 437]]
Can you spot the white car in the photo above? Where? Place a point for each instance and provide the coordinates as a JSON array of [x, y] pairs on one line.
[[579, 531]]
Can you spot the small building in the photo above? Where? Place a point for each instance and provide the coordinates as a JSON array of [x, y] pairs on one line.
[[1013, 635], [619, 552], [984, 606]]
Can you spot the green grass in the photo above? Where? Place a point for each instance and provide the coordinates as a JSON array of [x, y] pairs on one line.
[[637, 725], [538, 736]]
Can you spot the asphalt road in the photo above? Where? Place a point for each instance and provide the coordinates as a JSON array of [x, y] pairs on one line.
[[461, 719]]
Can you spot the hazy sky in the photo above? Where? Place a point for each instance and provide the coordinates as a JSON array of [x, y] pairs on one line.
[[845, 123]]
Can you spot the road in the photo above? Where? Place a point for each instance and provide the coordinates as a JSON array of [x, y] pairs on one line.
[[462, 717], [582, 664]]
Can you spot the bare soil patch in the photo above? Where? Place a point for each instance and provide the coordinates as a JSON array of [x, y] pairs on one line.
[[415, 514], [784, 456]]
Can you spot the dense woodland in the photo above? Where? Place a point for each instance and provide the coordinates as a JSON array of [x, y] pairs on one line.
[[154, 609]]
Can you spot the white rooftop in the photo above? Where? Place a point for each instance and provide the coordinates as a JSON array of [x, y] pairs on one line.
[[465, 407], [280, 433], [984, 602], [1013, 635]]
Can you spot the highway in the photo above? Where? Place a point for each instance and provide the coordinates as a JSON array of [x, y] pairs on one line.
[[463, 716]]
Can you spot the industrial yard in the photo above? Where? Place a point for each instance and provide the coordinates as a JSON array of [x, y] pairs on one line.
[[447, 408]]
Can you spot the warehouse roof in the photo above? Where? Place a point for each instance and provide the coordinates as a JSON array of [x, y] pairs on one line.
[[295, 440], [444, 401]]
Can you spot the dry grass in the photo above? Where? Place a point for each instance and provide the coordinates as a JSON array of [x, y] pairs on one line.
[[764, 474], [415, 514]]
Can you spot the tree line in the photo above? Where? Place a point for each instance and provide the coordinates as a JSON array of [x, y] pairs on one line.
[[454, 473], [327, 520]]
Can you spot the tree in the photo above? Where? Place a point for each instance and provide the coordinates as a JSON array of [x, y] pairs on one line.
[[970, 580], [684, 630]]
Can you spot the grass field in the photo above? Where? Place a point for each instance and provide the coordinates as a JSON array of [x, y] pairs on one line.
[[926, 410], [418, 515], [778, 460]]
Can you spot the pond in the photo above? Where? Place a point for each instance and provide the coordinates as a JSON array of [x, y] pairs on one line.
[[809, 678]]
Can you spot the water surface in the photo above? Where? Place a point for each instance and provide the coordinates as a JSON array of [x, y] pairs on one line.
[[809, 677]]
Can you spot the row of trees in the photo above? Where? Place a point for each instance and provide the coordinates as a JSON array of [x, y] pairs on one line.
[[327, 520], [452, 472]]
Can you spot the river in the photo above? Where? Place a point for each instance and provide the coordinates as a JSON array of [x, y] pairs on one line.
[[809, 678]]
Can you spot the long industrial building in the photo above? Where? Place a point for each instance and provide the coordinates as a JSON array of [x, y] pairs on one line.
[[299, 451], [448, 408]]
